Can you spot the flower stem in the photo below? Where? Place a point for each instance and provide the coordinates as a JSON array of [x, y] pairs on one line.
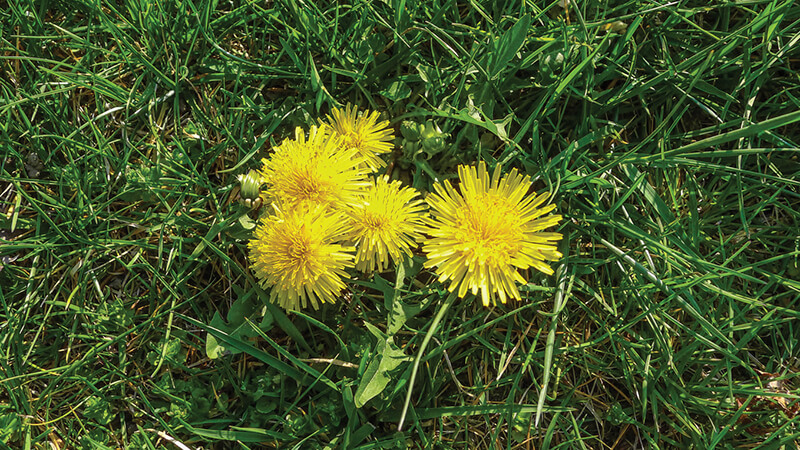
[[438, 318]]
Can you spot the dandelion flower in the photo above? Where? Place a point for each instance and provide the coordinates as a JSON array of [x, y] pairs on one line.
[[385, 224], [314, 172], [364, 133], [481, 236], [297, 254]]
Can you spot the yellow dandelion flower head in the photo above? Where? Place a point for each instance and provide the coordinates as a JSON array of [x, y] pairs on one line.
[[297, 254], [481, 236], [385, 223], [364, 133], [315, 171]]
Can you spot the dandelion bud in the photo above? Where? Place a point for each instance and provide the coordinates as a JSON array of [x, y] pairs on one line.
[[250, 185]]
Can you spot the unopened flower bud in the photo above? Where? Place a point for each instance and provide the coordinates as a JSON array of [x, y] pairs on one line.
[[250, 185]]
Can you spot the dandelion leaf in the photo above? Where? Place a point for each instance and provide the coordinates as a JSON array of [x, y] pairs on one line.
[[387, 357]]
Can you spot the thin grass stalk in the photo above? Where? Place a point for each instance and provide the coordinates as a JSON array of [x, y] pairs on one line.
[[438, 318]]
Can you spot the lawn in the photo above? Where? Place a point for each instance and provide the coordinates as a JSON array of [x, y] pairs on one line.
[[665, 133]]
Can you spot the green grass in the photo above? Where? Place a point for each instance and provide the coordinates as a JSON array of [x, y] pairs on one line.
[[670, 144]]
